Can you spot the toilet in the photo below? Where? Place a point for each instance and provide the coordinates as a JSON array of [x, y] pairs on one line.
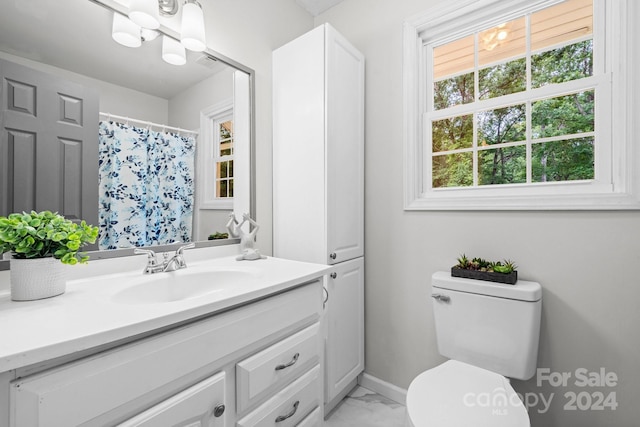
[[490, 333]]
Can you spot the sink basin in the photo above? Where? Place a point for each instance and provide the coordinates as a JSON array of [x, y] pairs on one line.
[[182, 285]]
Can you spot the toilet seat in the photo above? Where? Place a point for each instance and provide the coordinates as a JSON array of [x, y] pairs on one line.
[[456, 394]]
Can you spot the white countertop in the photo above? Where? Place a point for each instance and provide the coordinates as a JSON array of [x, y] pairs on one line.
[[88, 315]]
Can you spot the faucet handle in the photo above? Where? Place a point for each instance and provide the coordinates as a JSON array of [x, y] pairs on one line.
[[181, 249], [150, 254]]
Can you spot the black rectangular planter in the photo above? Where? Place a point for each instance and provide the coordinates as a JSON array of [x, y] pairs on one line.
[[506, 278]]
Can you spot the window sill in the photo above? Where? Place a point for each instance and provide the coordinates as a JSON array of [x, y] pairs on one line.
[[217, 205], [465, 200]]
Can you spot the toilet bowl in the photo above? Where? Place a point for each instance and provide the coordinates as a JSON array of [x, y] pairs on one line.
[[489, 331], [456, 394]]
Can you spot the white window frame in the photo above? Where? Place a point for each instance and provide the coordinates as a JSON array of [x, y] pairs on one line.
[[618, 160], [208, 155]]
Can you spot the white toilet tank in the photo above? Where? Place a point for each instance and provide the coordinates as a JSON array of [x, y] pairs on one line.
[[490, 325]]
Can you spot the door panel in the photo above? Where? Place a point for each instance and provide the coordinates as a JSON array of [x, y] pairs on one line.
[[345, 149], [345, 337], [48, 144]]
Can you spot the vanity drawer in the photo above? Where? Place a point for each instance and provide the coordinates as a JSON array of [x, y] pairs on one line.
[[290, 406], [202, 404], [274, 366], [314, 419]]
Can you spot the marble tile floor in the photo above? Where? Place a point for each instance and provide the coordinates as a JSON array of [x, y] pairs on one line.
[[364, 408]]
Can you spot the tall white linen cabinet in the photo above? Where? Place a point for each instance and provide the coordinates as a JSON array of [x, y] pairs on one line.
[[318, 185]]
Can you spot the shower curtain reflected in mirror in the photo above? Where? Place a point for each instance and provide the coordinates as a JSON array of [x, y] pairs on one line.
[[146, 186]]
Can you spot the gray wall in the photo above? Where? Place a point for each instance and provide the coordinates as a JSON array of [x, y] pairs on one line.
[[248, 31], [585, 261]]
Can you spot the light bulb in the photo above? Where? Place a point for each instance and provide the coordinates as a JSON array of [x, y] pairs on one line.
[[125, 31], [145, 13], [173, 52], [192, 36]]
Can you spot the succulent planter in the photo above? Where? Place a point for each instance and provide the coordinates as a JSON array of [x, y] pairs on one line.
[[506, 278]]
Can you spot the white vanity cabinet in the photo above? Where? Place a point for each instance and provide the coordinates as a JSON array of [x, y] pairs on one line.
[[318, 184], [248, 366]]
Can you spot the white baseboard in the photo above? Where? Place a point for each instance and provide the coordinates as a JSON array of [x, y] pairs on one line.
[[383, 388]]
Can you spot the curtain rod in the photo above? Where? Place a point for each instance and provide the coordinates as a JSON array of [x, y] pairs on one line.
[[110, 116]]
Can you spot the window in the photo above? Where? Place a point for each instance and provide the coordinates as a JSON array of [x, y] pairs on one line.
[[223, 159], [216, 156], [516, 111]]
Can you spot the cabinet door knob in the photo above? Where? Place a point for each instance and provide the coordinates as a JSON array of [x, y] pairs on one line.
[[333, 255], [286, 365], [290, 414], [334, 275], [218, 411]]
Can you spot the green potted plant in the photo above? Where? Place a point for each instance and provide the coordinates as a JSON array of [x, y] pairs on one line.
[[481, 269], [218, 236], [40, 244]]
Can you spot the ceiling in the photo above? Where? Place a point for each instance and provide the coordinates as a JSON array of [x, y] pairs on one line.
[[316, 7], [569, 20], [76, 35]]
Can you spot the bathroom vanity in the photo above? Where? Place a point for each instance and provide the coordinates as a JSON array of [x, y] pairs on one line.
[[238, 345]]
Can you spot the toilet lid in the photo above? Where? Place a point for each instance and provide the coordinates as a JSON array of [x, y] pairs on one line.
[[456, 394]]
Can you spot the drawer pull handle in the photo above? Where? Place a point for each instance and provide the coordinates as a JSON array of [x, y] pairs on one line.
[[218, 411], [290, 414], [326, 298], [293, 362]]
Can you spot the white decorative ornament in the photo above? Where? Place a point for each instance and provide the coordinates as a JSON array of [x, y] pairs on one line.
[[247, 240]]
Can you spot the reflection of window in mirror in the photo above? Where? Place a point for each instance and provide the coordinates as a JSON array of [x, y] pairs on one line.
[[217, 146], [223, 159]]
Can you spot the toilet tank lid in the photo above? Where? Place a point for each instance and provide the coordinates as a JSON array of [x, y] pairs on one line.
[[522, 290]]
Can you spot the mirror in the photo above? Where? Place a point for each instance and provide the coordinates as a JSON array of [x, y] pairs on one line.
[[72, 39]]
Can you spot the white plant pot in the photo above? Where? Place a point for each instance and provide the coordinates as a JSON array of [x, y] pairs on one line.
[[37, 278]]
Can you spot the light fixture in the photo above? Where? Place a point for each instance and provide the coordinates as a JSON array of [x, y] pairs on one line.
[[173, 52], [168, 7], [503, 32], [495, 36], [125, 31], [144, 21], [145, 13], [148, 35], [192, 36]]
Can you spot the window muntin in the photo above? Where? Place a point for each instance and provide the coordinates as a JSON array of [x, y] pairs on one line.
[[502, 78]]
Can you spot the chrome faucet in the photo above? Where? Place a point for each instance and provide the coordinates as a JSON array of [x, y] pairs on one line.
[[176, 262]]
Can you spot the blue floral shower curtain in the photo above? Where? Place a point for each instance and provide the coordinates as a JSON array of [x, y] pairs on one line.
[[145, 186]]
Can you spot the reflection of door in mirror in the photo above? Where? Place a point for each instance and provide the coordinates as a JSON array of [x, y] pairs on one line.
[[48, 154]]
